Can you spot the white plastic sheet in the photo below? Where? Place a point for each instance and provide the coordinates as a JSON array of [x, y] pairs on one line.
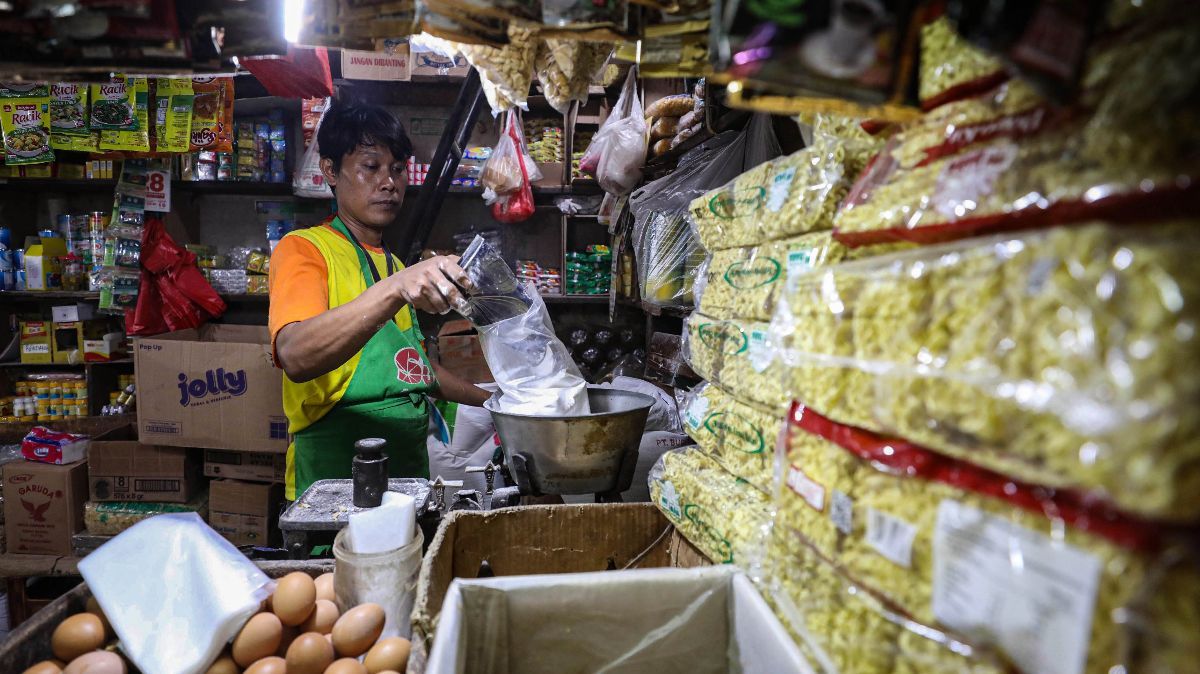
[[534, 370], [175, 592]]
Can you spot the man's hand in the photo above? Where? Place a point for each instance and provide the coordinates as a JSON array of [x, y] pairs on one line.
[[433, 285]]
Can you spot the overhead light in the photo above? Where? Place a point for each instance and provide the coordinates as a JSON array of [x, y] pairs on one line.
[[293, 18]]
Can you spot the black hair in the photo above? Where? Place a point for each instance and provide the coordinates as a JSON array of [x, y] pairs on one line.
[[347, 125]]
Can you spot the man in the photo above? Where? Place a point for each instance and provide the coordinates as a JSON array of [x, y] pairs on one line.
[[342, 317]]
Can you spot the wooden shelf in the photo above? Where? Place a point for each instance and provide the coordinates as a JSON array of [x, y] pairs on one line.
[[93, 426], [56, 366], [40, 295], [197, 186]]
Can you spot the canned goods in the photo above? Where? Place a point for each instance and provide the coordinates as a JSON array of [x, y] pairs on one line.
[[5, 237]]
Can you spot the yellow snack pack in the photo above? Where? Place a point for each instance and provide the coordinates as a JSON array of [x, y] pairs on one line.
[[137, 140]]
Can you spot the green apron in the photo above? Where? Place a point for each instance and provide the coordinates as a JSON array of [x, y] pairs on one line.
[[385, 399]]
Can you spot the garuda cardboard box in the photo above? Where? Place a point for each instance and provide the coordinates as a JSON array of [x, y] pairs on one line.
[[215, 387], [43, 506]]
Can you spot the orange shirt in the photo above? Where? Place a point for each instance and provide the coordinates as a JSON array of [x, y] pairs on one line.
[[299, 282]]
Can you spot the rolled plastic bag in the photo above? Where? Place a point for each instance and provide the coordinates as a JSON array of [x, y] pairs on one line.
[[534, 370], [388, 579], [203, 592]]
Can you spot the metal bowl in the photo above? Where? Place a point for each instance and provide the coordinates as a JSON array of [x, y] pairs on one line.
[[589, 454]]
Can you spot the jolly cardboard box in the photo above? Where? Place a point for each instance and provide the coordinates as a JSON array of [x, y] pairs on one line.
[[252, 466], [214, 388], [43, 506], [245, 513], [459, 352], [127, 470]]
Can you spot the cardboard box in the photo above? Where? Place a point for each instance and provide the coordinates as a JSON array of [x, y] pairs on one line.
[[253, 466], [426, 64], [710, 619], [43, 506], [68, 339], [246, 513], [73, 313], [43, 270], [552, 174], [127, 470], [542, 539], [35, 342], [459, 352], [110, 347], [215, 388]]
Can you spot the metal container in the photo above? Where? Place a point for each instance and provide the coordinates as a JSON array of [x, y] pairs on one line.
[[589, 454]]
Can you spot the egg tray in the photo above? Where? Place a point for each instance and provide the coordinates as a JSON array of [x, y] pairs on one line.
[[29, 643]]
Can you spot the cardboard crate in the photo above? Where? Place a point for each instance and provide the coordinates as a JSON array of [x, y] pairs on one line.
[[43, 506], [459, 352], [127, 470], [538, 540], [246, 513], [215, 388], [252, 466]]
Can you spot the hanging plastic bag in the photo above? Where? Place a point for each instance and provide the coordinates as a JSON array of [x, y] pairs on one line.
[[501, 175], [532, 367], [618, 150], [309, 181], [519, 205]]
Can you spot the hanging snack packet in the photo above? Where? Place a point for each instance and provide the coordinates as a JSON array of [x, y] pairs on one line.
[[137, 140], [212, 114], [69, 118], [25, 120], [112, 107], [173, 114]]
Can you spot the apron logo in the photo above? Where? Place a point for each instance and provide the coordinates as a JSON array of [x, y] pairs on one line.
[[410, 368], [213, 383]]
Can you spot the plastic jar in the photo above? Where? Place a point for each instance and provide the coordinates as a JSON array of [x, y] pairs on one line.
[[385, 578]]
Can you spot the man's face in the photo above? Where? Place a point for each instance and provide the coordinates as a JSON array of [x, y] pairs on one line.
[[369, 186]]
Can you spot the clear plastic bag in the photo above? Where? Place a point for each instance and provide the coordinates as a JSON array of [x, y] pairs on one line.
[[618, 150], [501, 175], [943, 542], [566, 69], [497, 296], [516, 205], [203, 592], [739, 436], [1061, 357], [309, 181], [506, 72], [534, 370]]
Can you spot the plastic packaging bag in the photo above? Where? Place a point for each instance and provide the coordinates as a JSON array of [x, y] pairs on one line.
[[388, 579], [507, 71], [518, 204], [309, 181], [534, 370], [740, 436], [618, 150], [204, 590]]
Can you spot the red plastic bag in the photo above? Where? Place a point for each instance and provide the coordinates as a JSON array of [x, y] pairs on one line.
[[519, 205], [174, 295]]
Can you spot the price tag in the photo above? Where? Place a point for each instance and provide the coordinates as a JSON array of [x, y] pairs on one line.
[[891, 537], [158, 191]]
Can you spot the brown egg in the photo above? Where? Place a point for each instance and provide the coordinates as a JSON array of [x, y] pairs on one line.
[[93, 607], [79, 634], [324, 583], [96, 662], [358, 629], [322, 619], [295, 598], [346, 666], [46, 667], [388, 654], [271, 665], [257, 640], [310, 653], [224, 665]]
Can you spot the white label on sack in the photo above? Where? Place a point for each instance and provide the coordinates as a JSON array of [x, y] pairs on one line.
[[809, 490], [841, 512], [781, 185], [759, 351], [963, 181], [799, 262], [696, 412], [668, 500], [1003, 583], [891, 537]]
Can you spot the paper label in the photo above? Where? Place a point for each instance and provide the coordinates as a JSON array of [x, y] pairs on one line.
[[963, 182], [841, 512], [781, 185], [891, 537], [799, 262], [809, 490], [158, 191], [668, 500], [759, 351], [1001, 583], [696, 412]]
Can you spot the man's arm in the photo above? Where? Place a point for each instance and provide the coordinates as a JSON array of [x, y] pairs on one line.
[[455, 389], [315, 346]]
